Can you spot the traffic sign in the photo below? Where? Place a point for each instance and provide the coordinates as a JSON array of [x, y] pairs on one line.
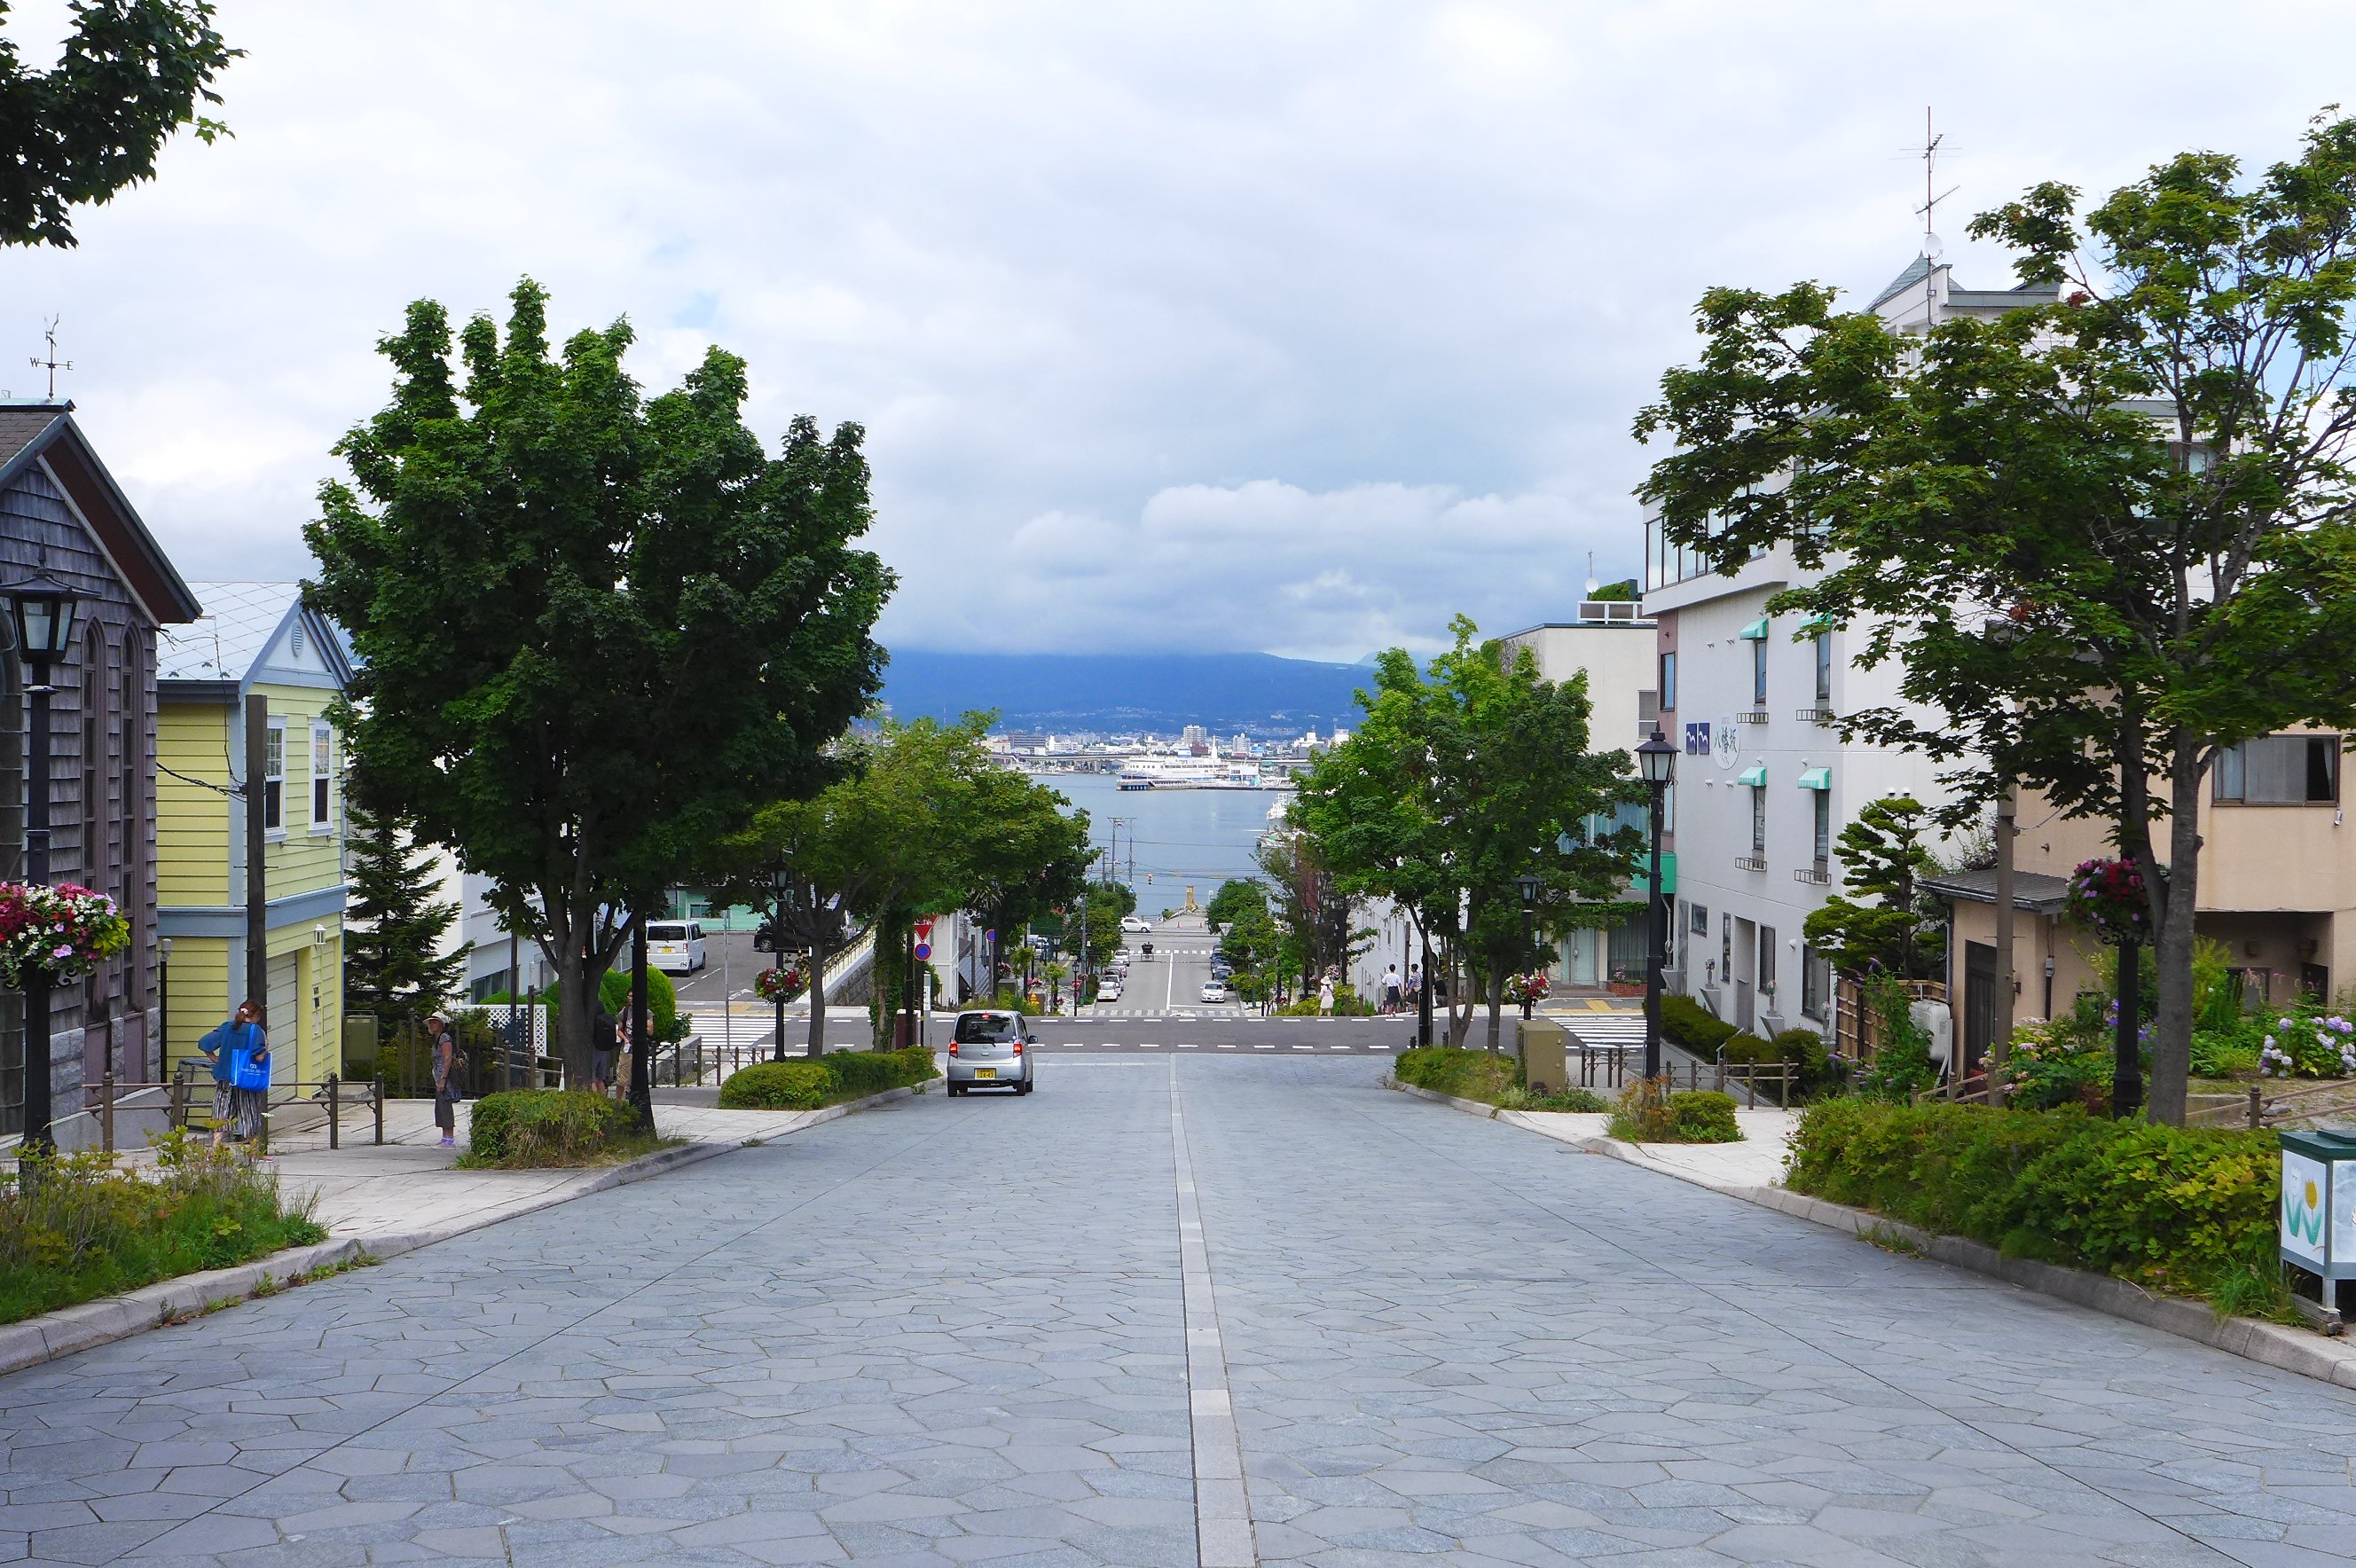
[[923, 950]]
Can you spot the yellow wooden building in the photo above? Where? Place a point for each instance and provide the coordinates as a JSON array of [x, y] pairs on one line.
[[257, 643]]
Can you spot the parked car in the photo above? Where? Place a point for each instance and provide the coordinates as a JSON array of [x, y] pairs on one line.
[[1217, 992], [990, 1049], [1135, 923], [676, 946], [1108, 990]]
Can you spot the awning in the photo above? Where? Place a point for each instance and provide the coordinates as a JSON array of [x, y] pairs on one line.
[[1818, 624], [1754, 632], [1816, 778], [1754, 776], [1668, 876]]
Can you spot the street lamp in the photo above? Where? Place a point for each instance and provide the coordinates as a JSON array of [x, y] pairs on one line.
[[1529, 885], [43, 609], [1658, 760], [781, 883]]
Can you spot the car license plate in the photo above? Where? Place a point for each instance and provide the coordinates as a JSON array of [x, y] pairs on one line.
[[985, 1073]]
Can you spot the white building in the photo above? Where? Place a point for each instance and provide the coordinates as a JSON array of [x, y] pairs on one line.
[[1764, 784]]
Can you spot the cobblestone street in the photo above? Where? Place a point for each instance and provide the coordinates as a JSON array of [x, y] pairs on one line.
[[959, 1331]]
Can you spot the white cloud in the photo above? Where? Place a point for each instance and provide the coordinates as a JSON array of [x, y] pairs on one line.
[[1299, 327]]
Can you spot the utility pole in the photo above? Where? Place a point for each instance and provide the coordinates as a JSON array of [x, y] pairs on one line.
[[2001, 1039], [257, 819]]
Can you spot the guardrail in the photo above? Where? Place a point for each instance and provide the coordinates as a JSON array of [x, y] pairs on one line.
[[330, 1096]]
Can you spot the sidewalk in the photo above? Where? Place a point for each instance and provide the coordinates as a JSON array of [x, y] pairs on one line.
[[1756, 1161]]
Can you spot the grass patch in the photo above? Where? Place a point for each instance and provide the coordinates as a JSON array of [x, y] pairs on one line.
[[89, 1229], [810, 1084]]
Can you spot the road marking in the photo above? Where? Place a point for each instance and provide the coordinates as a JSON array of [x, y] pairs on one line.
[[1188, 1045], [1149, 1045], [1109, 1045], [1227, 1045], [1262, 1045], [1304, 1048], [1222, 1528]]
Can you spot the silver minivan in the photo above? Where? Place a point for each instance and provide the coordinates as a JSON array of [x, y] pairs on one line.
[[992, 1049]]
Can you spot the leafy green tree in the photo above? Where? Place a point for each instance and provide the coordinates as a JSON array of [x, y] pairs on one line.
[[133, 72], [2107, 536], [395, 968], [1459, 781], [595, 631], [1882, 860], [1312, 907], [1235, 895]]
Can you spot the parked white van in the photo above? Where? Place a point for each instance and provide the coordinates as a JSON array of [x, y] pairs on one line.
[[675, 946]]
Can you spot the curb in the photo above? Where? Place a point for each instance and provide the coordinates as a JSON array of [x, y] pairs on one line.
[[109, 1319], [2271, 1344]]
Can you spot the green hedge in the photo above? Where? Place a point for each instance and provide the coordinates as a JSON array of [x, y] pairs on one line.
[[2190, 1210], [1802, 1049], [808, 1083], [519, 1127], [1693, 1026], [1465, 1074], [1648, 1113]]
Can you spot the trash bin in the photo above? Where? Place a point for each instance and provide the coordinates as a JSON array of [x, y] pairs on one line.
[[2319, 1205]]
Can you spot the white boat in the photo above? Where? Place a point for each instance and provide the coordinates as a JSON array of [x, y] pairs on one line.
[[1168, 773]]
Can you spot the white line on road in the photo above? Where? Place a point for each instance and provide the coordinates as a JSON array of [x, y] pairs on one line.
[[1227, 1045], [1262, 1045], [1188, 1045], [1149, 1045]]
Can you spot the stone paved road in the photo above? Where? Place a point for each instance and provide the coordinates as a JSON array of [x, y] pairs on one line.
[[953, 1332]]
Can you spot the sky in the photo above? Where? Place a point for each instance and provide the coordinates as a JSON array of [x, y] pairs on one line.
[[1297, 327]]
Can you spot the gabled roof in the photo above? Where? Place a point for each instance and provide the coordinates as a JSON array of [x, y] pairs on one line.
[[242, 624], [1916, 272], [44, 432]]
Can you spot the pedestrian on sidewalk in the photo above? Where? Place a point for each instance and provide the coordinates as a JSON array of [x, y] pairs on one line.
[[241, 1061], [1391, 989], [444, 1049], [602, 1036], [1326, 995]]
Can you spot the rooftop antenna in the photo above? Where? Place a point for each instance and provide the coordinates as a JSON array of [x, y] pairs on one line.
[[52, 364], [1931, 245], [1590, 574]]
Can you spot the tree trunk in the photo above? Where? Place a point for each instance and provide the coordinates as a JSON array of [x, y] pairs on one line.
[[576, 1008], [817, 994], [2171, 1037], [1496, 997]]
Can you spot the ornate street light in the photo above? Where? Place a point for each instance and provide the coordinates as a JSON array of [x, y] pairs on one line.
[[1658, 760], [43, 609]]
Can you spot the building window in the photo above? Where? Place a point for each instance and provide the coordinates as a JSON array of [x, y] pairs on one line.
[[1669, 682], [2280, 770], [1648, 714], [1759, 673], [1815, 982], [322, 759], [1823, 829], [1766, 960], [1758, 819], [1823, 667], [1700, 919], [273, 779]]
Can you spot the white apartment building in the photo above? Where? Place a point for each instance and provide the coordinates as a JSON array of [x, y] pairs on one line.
[[1613, 643], [1764, 784]]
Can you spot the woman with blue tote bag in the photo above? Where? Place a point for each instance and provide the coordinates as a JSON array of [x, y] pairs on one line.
[[240, 1076]]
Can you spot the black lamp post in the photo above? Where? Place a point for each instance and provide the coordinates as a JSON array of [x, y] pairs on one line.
[[1658, 760], [1528, 885], [43, 609], [781, 883]]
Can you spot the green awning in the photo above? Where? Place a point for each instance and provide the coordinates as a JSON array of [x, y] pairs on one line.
[[1816, 778], [1818, 624], [1754, 632], [1754, 776], [1668, 876]]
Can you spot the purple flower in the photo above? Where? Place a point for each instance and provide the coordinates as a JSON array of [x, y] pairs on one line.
[[65, 951]]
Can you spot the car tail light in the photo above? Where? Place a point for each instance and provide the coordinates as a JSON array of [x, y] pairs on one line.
[[1018, 1047], [952, 1047]]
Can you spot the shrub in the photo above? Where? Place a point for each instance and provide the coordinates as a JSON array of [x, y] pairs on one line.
[[521, 1127], [87, 1229], [1693, 1026], [1464, 1074], [2186, 1210], [808, 1083], [1585, 1101], [1649, 1112], [1901, 1066], [2057, 1064]]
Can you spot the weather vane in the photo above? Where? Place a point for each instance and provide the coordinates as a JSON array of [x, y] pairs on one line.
[[52, 364]]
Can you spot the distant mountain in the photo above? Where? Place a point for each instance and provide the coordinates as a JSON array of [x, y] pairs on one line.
[[1258, 693]]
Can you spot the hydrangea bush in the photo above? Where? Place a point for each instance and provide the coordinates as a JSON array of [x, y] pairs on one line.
[[2307, 1042]]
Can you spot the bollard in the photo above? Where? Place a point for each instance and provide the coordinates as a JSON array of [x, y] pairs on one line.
[[178, 1102], [2257, 1108], [334, 1114], [106, 1111], [376, 1092]]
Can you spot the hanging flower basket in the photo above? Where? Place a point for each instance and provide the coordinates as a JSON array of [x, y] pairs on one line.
[[56, 933], [776, 985], [2108, 897], [1533, 987]]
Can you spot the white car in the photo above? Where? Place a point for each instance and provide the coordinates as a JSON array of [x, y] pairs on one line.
[[1134, 922], [676, 946], [1217, 992], [1108, 990]]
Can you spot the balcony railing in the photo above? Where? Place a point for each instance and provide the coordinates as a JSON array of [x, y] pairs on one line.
[[1751, 862], [1814, 715], [1753, 716], [1816, 874]]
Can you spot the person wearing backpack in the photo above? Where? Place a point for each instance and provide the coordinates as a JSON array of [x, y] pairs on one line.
[[239, 1054], [449, 1079]]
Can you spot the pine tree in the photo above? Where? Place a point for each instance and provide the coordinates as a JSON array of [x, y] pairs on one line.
[[393, 967]]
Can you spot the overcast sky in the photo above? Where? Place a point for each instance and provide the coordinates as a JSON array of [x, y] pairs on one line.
[[1284, 326]]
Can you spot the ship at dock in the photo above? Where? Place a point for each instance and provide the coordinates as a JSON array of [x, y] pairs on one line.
[[1141, 772]]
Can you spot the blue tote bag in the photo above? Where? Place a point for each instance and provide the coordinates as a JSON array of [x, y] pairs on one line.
[[248, 1073]]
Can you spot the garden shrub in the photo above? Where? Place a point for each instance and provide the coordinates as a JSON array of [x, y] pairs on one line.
[[1648, 1112], [810, 1083], [1583, 1101], [1693, 1026], [2185, 1210], [2060, 1063], [87, 1229], [1464, 1074], [524, 1127]]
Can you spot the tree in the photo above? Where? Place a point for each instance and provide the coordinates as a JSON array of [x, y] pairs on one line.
[[393, 966], [594, 632], [133, 72], [2107, 536], [1456, 784], [1883, 859], [1235, 895]]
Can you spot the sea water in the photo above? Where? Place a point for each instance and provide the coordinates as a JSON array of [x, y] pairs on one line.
[[1170, 840]]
